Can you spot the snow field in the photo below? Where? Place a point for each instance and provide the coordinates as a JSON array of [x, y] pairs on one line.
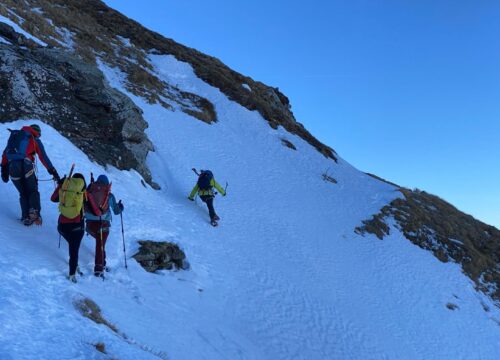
[[295, 278], [283, 277]]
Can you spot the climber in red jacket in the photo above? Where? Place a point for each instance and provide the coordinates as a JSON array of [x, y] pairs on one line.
[[18, 162]]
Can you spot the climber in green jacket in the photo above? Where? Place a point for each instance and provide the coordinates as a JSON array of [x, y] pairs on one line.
[[204, 188]]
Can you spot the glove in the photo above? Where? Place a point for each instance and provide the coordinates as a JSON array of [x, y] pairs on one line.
[[120, 206], [190, 198], [5, 173], [224, 194], [54, 173]]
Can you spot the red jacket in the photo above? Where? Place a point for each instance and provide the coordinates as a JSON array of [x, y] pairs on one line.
[[35, 146]]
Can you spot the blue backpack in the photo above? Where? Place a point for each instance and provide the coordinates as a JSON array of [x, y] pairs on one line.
[[205, 179], [17, 144]]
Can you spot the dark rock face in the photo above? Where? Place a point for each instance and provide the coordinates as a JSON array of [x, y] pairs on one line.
[[433, 224], [73, 97], [8, 33], [155, 256]]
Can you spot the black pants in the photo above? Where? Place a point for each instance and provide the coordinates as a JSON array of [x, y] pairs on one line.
[[22, 174], [209, 200], [73, 234]]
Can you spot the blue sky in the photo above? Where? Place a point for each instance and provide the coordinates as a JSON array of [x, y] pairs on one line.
[[406, 89]]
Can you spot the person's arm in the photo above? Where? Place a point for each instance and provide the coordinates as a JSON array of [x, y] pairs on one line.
[[42, 155], [117, 209], [193, 192], [5, 168], [219, 188], [4, 159]]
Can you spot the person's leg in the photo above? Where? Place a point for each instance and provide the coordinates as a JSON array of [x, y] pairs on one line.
[[105, 235], [73, 234], [64, 231], [76, 239], [211, 210], [93, 230], [16, 173], [31, 187]]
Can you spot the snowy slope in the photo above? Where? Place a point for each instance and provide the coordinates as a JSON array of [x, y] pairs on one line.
[[283, 277]]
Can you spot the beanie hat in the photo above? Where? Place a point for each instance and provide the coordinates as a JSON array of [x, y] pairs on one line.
[[103, 179], [37, 129]]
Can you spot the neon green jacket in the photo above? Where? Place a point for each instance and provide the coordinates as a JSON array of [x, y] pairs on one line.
[[210, 192]]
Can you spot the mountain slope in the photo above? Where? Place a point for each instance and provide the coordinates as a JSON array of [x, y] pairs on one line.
[[284, 277], [93, 30]]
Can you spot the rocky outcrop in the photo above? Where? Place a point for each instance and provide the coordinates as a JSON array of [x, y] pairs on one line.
[[93, 30], [155, 256], [72, 96], [433, 224]]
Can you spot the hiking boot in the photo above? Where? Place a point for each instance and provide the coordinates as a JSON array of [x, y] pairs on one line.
[[99, 274], [27, 221], [35, 217], [216, 218], [72, 278]]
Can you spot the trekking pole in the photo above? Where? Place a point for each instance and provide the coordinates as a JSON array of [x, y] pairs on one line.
[[102, 246], [59, 242], [123, 238], [225, 189]]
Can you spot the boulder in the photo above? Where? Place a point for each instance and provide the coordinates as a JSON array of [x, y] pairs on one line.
[[164, 255]]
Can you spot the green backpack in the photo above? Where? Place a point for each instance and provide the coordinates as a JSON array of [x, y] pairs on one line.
[[71, 197]]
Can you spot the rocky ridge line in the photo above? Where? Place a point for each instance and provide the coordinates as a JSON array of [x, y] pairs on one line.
[[451, 235], [92, 29]]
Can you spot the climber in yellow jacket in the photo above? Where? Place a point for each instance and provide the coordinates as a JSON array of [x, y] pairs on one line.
[[204, 188]]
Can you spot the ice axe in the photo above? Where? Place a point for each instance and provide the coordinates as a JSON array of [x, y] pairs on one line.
[[123, 237]]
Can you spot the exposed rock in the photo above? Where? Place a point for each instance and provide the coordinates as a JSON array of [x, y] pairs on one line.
[[155, 256], [101, 347], [73, 97], [328, 178], [89, 309], [435, 225], [99, 31], [9, 34], [288, 144]]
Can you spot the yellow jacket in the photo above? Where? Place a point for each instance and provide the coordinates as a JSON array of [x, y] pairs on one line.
[[209, 192]]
